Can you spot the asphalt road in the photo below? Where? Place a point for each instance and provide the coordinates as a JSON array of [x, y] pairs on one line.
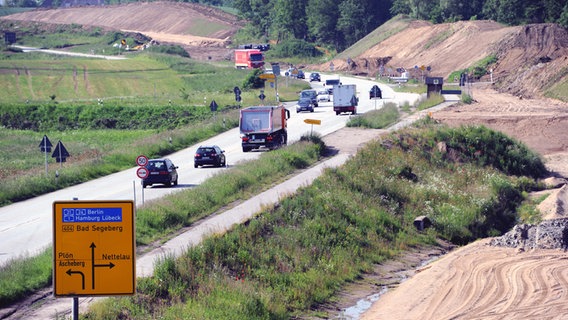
[[26, 227]]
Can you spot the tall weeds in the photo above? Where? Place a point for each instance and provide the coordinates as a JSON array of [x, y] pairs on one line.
[[297, 255]]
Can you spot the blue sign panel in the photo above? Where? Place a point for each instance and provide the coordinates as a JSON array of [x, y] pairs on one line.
[[74, 215]]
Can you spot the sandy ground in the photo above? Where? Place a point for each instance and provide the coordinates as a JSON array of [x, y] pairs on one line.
[[483, 282]]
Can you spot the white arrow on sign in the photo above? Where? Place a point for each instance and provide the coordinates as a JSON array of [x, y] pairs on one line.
[[142, 172]]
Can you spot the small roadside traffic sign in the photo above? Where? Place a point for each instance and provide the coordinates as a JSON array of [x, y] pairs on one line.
[[45, 145], [267, 76], [312, 121], [142, 172], [60, 153], [261, 96], [94, 251], [213, 106], [141, 160]]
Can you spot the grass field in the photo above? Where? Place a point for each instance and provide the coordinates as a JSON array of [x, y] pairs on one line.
[[63, 97]]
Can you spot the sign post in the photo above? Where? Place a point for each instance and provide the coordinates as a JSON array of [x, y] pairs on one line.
[[45, 147], [93, 248], [60, 153], [141, 172], [272, 79], [312, 122]]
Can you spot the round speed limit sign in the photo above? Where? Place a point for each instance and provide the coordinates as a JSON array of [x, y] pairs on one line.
[[142, 160], [142, 173]]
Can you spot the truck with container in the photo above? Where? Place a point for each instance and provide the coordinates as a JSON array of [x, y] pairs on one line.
[[345, 98], [249, 59], [329, 83], [263, 126]]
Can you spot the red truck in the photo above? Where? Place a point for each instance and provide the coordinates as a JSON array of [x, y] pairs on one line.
[[263, 126], [249, 59]]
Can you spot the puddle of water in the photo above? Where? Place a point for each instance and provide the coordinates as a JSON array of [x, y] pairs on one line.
[[354, 312]]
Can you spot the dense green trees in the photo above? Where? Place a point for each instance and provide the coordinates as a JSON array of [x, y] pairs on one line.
[[513, 12], [340, 23], [330, 22]]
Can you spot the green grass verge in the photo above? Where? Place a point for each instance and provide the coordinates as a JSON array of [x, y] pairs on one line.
[[289, 259], [163, 218], [103, 136], [94, 153], [376, 119]]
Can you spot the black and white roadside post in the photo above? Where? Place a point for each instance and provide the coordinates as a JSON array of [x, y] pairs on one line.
[[45, 147], [376, 93]]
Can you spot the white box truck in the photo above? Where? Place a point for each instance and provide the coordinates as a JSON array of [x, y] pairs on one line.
[[345, 98]]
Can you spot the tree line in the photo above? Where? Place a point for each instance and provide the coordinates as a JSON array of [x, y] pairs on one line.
[[340, 23]]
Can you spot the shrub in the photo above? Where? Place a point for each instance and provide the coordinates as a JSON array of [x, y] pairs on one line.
[[253, 81], [171, 49], [294, 48], [376, 119]]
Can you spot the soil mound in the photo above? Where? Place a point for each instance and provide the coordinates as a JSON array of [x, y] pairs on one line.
[[204, 31], [157, 17], [529, 58]]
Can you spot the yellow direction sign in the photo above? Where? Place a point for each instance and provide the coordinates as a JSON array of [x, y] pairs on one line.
[[93, 248], [267, 76], [312, 121]]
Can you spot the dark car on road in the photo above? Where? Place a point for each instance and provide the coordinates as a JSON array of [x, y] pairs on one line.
[[314, 76], [312, 94], [301, 75], [210, 155], [160, 171], [305, 104]]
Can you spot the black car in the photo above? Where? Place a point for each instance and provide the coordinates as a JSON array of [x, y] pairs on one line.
[[305, 104], [314, 76], [311, 94], [212, 155], [160, 171], [375, 92], [301, 75]]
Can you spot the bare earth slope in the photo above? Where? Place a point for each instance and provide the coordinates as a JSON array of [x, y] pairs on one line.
[[529, 58], [204, 31]]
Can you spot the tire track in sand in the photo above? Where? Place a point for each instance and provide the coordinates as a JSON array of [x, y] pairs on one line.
[[482, 282]]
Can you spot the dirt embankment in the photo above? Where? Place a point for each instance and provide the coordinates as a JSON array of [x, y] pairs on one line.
[[529, 58], [204, 31]]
